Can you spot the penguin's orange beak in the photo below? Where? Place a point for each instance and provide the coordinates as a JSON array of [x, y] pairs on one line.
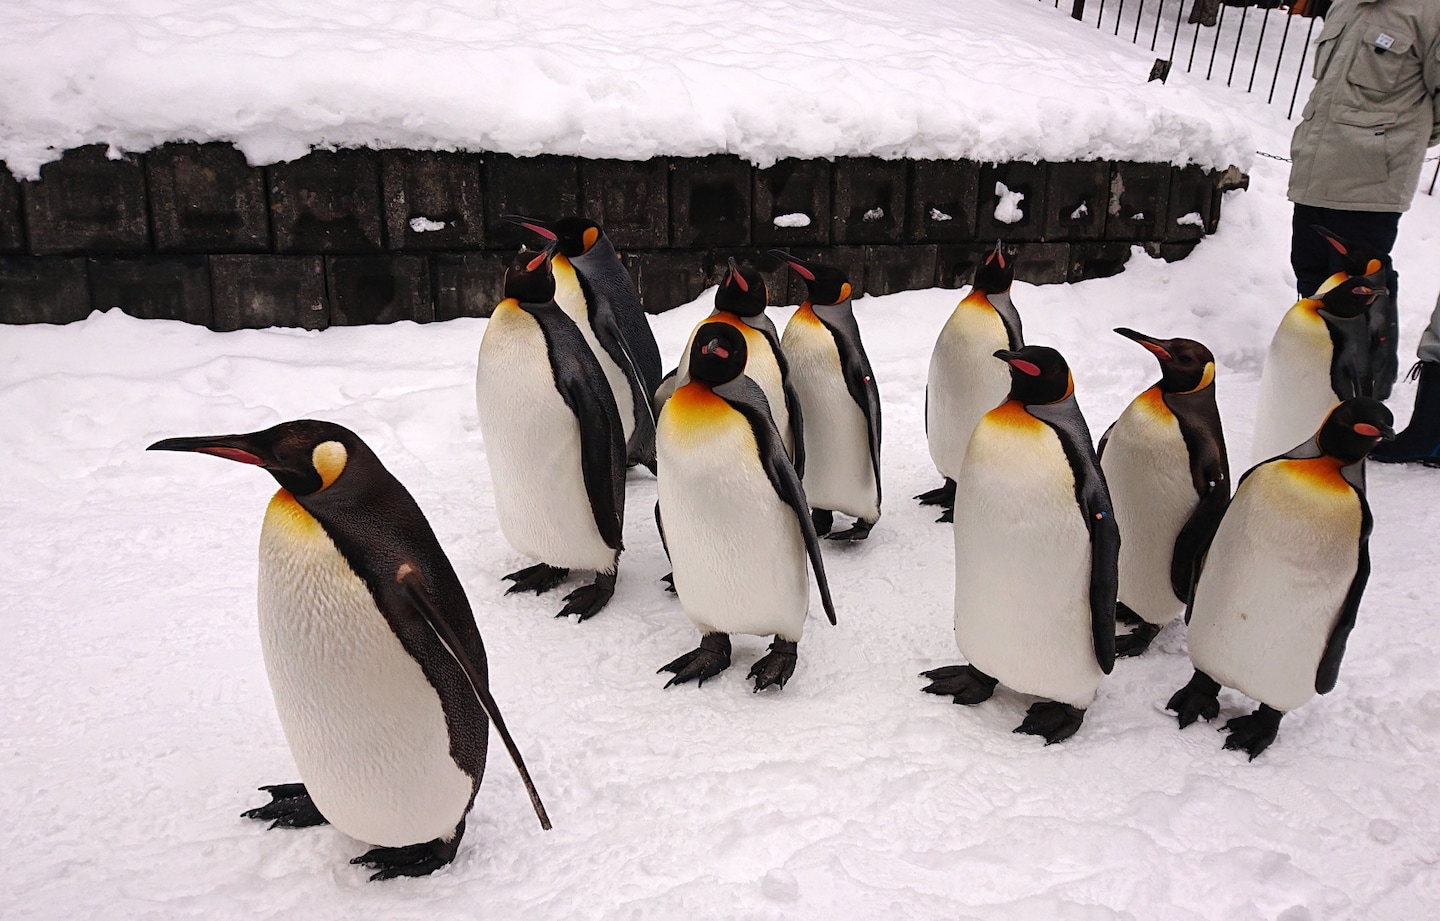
[[1014, 360], [1153, 345], [534, 225], [238, 448]]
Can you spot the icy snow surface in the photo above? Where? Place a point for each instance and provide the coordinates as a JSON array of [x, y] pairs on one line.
[[987, 79], [137, 718]]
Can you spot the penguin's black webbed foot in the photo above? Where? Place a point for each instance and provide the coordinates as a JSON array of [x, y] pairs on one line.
[[1136, 641], [965, 683], [943, 494], [412, 859], [859, 531], [776, 666], [669, 580], [710, 659], [1201, 697], [1051, 719], [589, 600], [1124, 615], [1253, 734], [946, 516], [823, 519], [290, 806], [539, 578]]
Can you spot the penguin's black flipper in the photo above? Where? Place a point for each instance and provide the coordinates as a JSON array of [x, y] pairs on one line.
[[797, 426], [581, 383], [290, 806], [612, 340], [749, 400], [1194, 539], [1329, 670], [1093, 498], [859, 376], [410, 587]]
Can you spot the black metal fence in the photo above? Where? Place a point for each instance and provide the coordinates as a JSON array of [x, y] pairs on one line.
[[1255, 45]]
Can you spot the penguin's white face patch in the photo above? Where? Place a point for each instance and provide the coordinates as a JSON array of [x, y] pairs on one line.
[[329, 458]]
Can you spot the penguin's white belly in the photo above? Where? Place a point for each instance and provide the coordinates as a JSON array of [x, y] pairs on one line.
[[570, 298], [1147, 467], [532, 444], [737, 549], [1276, 576], [1295, 390], [365, 727], [966, 381], [839, 472], [1022, 566]]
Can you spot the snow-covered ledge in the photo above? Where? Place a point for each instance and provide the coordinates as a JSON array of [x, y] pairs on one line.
[[160, 160]]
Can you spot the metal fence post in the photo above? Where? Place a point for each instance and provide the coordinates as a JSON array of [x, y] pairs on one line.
[[1077, 11]]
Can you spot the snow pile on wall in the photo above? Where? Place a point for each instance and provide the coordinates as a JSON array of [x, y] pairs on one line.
[[993, 80]]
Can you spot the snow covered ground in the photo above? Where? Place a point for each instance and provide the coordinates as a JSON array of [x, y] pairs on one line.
[[137, 718], [599, 78], [138, 722]]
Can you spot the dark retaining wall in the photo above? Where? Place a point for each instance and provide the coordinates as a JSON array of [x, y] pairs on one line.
[[191, 232]]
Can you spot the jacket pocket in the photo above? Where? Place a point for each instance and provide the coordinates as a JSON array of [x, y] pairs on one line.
[[1352, 162], [1326, 44], [1380, 67]]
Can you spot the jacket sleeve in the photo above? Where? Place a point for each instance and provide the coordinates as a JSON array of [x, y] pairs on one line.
[[1431, 77]]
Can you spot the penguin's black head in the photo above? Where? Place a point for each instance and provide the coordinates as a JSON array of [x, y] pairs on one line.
[[741, 292], [1356, 257], [1038, 374], [1352, 297], [305, 457], [718, 354], [530, 278], [1185, 365], [573, 236], [825, 284], [997, 272], [1354, 427]]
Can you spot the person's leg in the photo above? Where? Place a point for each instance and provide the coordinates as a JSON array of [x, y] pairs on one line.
[[1419, 443]]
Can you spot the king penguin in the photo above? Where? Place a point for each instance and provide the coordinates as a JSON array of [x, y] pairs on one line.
[[964, 381], [593, 288], [736, 521], [840, 399], [1169, 476], [740, 300], [1320, 355], [1282, 580], [377, 669], [552, 439], [1036, 549]]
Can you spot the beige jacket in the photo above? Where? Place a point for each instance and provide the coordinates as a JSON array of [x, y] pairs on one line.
[[1374, 109]]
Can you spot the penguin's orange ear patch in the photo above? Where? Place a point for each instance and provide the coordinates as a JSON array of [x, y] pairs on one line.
[[590, 237], [844, 293], [1373, 266], [329, 458]]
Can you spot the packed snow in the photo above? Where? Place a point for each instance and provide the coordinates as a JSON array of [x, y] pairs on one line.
[[983, 79], [138, 718]]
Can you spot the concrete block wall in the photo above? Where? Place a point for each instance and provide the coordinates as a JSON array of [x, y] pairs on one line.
[[192, 232]]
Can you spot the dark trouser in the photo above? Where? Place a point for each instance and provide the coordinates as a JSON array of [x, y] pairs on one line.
[[1314, 260]]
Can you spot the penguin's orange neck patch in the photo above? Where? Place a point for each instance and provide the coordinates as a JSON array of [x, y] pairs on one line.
[[1012, 414], [977, 300], [806, 314], [1319, 473], [289, 516], [695, 405], [1153, 402]]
